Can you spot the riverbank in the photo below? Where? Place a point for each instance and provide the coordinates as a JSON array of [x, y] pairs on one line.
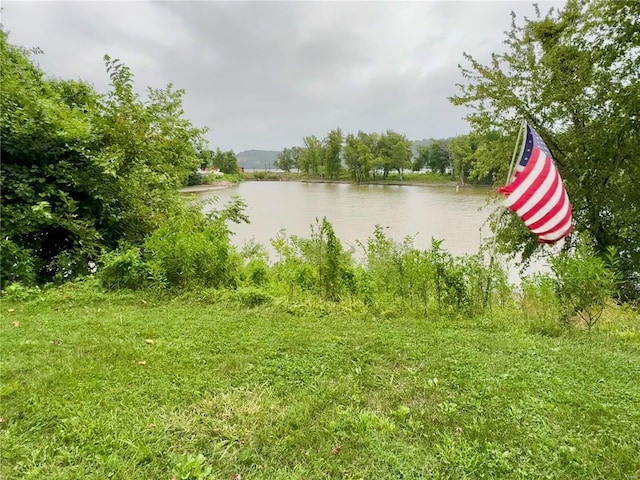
[[284, 178], [207, 187]]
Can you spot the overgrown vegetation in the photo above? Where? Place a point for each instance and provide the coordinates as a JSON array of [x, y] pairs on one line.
[[82, 173]]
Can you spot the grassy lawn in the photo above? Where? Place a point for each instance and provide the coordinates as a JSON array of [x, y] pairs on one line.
[[125, 386]]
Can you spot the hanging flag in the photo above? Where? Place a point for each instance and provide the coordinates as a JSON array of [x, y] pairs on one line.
[[536, 193]]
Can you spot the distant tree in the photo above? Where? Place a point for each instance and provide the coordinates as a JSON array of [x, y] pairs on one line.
[[463, 149], [401, 155], [332, 151], [394, 151], [227, 162], [295, 156], [438, 159], [206, 159], [421, 158], [358, 156], [311, 156], [285, 160]]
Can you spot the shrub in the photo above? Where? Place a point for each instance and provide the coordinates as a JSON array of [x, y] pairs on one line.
[[251, 297], [124, 268], [16, 264], [190, 251], [257, 272], [584, 284], [540, 306]]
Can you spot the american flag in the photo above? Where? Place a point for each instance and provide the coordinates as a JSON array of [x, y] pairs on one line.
[[537, 194]]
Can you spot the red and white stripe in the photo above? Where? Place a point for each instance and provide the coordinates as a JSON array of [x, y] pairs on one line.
[[537, 195]]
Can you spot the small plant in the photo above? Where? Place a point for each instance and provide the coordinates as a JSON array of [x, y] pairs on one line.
[[191, 467], [584, 284], [17, 291], [251, 297], [540, 305]]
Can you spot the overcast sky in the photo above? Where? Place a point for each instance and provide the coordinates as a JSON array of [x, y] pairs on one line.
[[264, 74]]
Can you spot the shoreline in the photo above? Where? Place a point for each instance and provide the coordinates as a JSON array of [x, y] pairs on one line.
[[225, 184]]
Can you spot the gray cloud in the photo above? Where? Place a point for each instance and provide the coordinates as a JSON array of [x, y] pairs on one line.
[[265, 74]]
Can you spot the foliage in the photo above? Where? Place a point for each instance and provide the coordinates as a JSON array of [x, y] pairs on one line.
[[317, 264], [584, 283], [311, 156], [192, 467], [332, 149], [540, 305], [286, 160], [574, 75], [82, 172], [227, 162], [435, 156], [124, 268], [432, 282], [190, 251]]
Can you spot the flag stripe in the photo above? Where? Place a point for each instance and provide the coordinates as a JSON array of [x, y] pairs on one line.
[[551, 196], [538, 189]]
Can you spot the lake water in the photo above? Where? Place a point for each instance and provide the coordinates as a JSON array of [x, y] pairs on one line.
[[457, 217]]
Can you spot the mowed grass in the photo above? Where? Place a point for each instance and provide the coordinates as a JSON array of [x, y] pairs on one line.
[[125, 386]]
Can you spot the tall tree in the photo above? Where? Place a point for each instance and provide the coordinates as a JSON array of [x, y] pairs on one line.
[[358, 156], [227, 162], [332, 151], [311, 156], [575, 75]]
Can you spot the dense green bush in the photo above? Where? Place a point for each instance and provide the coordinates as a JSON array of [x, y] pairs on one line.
[[190, 250], [124, 268], [16, 264], [82, 172]]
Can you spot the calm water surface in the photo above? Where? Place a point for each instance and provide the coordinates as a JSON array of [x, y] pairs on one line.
[[457, 217]]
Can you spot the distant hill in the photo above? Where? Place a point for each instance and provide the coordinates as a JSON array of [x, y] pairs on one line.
[[257, 159]]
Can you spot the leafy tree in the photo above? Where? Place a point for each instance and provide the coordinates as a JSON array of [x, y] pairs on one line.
[[462, 150], [311, 156], [358, 156], [285, 160], [332, 150], [575, 75], [227, 162], [401, 155], [436, 156], [82, 172]]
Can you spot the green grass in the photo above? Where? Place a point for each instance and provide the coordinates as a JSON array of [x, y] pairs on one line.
[[130, 386]]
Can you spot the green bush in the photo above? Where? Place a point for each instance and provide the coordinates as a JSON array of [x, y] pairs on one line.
[[257, 272], [16, 264], [584, 284], [124, 269], [251, 297], [192, 251]]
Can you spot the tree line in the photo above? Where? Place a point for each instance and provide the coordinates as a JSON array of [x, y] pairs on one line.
[[372, 156]]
